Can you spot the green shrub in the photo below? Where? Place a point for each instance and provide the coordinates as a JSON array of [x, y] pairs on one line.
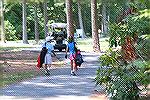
[[143, 47], [10, 31], [121, 78]]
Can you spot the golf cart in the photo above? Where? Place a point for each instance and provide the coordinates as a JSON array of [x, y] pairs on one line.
[[59, 34]]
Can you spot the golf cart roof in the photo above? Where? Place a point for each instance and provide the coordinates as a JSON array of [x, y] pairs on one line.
[[58, 25]]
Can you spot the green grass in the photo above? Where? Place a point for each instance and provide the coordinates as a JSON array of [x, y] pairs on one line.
[[9, 78], [83, 44], [87, 44], [12, 48], [18, 44]]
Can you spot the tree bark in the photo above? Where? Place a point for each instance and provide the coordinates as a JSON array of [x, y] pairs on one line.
[[2, 22], [95, 37], [104, 19], [70, 28], [36, 23], [45, 18], [24, 24], [80, 18]]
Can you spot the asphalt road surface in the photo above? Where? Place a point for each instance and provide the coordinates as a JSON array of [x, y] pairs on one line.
[[59, 85]]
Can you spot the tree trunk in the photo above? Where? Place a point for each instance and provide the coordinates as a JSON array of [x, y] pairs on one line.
[[95, 37], [36, 24], [80, 18], [2, 22], [45, 18], [128, 50], [25, 37], [104, 19], [70, 28]]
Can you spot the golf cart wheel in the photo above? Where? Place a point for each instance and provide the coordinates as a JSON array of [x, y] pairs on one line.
[[60, 50]]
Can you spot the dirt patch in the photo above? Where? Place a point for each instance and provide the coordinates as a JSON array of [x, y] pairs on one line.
[[16, 61], [97, 95]]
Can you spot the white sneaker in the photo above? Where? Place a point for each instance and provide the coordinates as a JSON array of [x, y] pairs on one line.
[[47, 72]]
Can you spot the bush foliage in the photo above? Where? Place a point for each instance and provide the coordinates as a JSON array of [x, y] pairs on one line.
[[122, 77]]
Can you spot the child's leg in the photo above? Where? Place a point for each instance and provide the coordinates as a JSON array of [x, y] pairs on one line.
[[49, 65], [46, 69], [45, 61], [75, 66], [45, 66], [71, 65]]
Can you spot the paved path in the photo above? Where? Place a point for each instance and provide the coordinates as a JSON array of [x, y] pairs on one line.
[[59, 85]]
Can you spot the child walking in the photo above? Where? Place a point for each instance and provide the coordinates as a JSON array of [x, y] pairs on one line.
[[48, 58], [71, 46]]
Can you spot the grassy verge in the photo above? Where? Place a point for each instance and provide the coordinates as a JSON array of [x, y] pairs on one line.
[[83, 44], [12, 48], [10, 78], [14, 54], [87, 44]]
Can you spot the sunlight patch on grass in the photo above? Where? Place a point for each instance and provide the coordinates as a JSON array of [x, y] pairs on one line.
[[6, 78], [87, 44]]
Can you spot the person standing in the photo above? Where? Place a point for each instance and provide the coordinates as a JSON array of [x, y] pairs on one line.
[[71, 47], [48, 57]]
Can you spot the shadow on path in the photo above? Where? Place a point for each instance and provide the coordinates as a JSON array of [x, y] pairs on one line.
[[58, 84]]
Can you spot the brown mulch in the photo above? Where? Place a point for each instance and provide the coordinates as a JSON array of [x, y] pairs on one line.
[[16, 61]]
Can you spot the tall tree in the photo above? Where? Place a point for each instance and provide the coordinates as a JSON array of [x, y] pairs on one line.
[[70, 28], [95, 37], [35, 4], [45, 17], [104, 26], [2, 22], [24, 24], [80, 17], [36, 23]]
